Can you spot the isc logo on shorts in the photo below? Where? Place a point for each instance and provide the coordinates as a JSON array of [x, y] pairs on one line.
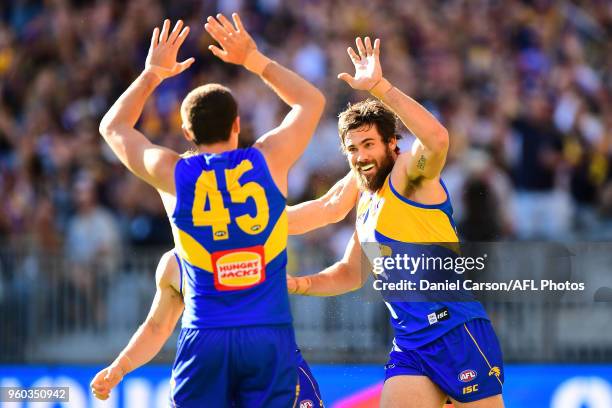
[[306, 404], [239, 268], [470, 389]]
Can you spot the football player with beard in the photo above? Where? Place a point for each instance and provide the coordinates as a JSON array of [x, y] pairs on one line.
[[442, 349]]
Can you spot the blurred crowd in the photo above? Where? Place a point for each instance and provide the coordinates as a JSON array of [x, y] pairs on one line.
[[524, 88]]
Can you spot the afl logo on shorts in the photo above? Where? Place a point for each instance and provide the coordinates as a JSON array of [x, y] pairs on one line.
[[467, 376], [306, 404], [239, 268]]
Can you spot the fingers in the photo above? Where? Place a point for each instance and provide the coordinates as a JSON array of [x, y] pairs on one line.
[[155, 37], [104, 382], [175, 32], [181, 37], [368, 46], [99, 389], [165, 30], [216, 31], [346, 78], [219, 53], [365, 48], [226, 23], [100, 395], [216, 26], [360, 47], [291, 285], [185, 64], [176, 37], [354, 57], [238, 22]]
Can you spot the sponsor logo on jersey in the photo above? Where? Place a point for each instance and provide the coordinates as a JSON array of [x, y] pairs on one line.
[[239, 268], [306, 404], [438, 316], [467, 375]]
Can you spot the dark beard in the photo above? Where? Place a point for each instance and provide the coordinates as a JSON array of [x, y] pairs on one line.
[[378, 179]]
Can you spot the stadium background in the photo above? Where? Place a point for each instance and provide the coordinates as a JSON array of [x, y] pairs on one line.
[[523, 86]]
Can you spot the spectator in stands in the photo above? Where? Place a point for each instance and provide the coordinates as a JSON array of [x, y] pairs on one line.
[[93, 248]]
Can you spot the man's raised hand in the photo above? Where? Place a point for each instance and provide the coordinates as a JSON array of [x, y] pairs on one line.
[[163, 50], [236, 43], [368, 72]]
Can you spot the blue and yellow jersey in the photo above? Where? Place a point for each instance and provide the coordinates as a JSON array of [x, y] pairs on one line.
[[230, 232], [388, 223]]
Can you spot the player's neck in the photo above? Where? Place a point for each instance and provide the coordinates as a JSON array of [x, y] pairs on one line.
[[217, 147]]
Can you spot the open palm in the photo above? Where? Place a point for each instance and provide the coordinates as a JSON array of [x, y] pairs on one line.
[[368, 71], [164, 49], [235, 41]]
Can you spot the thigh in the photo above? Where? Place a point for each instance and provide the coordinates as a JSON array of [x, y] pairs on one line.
[[200, 353], [411, 391], [265, 367], [309, 395], [466, 363], [495, 401]]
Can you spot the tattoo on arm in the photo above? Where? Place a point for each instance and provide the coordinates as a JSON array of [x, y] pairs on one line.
[[421, 163]]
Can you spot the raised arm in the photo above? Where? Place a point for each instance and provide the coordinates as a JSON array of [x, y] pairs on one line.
[[428, 154], [283, 145], [344, 276], [152, 334], [152, 163], [327, 209]]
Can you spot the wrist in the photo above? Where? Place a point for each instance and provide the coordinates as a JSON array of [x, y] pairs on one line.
[[381, 88], [155, 74], [256, 62], [124, 363], [303, 284]]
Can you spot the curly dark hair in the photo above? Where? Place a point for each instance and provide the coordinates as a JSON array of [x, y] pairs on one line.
[[367, 113]]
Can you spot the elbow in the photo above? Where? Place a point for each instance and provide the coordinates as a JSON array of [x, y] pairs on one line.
[[357, 284], [111, 124], [339, 211], [157, 330], [106, 127], [318, 101], [440, 141], [332, 211], [354, 279], [310, 103], [320, 98]]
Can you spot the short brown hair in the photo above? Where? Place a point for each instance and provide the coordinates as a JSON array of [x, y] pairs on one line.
[[367, 113], [209, 112]]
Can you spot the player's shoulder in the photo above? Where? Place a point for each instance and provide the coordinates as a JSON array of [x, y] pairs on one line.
[[197, 159], [248, 152], [253, 155]]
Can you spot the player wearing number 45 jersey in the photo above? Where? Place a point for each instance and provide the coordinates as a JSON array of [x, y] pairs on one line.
[[227, 210], [442, 347], [168, 304]]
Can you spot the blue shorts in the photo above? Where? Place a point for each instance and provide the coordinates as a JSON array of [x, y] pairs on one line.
[[309, 395], [466, 363], [254, 366]]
